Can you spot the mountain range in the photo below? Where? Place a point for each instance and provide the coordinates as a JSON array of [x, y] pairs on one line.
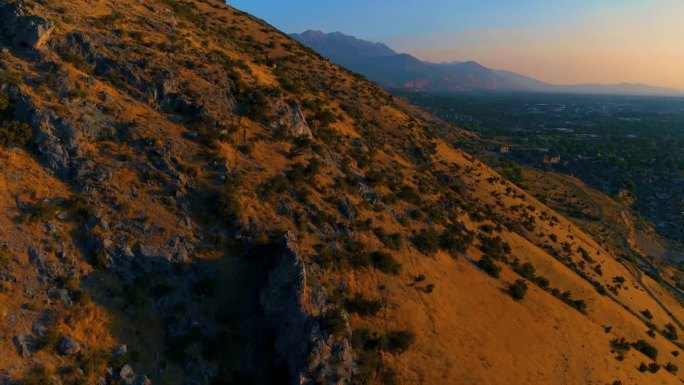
[[395, 70]]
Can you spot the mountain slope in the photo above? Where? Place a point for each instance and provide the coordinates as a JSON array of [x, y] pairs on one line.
[[392, 70], [182, 179]]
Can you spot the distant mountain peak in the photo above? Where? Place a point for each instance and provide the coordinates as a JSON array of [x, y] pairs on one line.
[[336, 45], [382, 64]]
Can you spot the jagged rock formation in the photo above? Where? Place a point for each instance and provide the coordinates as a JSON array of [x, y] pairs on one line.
[[22, 29], [311, 356], [291, 119]]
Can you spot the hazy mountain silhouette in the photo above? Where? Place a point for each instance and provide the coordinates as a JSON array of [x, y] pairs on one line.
[[382, 64]]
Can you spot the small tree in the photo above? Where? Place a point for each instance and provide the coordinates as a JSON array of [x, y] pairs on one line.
[[518, 289], [670, 332], [672, 368], [487, 265], [646, 349]]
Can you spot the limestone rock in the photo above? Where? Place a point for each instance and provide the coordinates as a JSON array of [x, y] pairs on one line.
[[291, 118], [21, 29], [23, 342], [311, 356], [68, 346]]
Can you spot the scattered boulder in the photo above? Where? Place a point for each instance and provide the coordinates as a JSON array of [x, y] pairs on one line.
[[120, 351], [126, 376], [21, 29], [291, 118], [23, 342], [68, 347]]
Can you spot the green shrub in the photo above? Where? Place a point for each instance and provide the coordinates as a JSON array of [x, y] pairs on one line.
[[670, 332], [385, 263], [15, 134], [391, 241], [333, 321], [362, 306], [646, 349], [620, 345], [518, 289], [410, 195], [397, 342], [228, 202], [5, 259], [456, 238], [359, 260], [487, 264], [647, 313], [4, 100], [38, 376], [494, 247], [94, 362], [672, 368], [427, 241], [42, 210], [526, 270]]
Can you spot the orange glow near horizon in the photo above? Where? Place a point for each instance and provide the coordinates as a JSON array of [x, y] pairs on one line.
[[637, 45]]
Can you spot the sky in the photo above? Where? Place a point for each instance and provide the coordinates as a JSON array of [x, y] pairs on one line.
[[558, 41]]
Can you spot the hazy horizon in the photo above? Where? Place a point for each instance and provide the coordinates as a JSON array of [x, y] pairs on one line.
[[616, 41]]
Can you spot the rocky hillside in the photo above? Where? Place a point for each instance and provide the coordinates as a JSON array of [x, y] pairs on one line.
[[191, 197]]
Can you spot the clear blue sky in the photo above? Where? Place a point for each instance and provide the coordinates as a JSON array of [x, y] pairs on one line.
[[387, 19], [563, 41]]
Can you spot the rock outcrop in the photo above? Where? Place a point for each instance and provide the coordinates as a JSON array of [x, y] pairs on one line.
[[20, 29], [291, 118], [311, 354], [68, 346]]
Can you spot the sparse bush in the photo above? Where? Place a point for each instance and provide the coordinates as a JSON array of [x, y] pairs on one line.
[[15, 134], [94, 362], [38, 376], [391, 241], [410, 195], [4, 100], [494, 247], [646, 349], [517, 290], [670, 332], [620, 345], [228, 202], [334, 322], [427, 241], [42, 210], [362, 306], [456, 238], [487, 264], [526, 270], [385, 263], [672, 368], [367, 345], [646, 313], [397, 342], [5, 259]]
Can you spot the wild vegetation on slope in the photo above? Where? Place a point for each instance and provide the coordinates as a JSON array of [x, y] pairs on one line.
[[199, 198]]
